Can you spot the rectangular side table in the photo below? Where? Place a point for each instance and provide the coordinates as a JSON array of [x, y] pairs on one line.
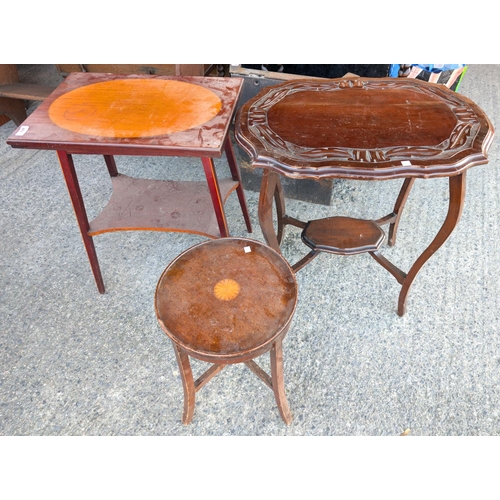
[[142, 115]]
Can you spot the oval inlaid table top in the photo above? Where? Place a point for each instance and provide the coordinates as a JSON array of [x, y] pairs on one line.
[[135, 108], [365, 128], [225, 297], [148, 115]]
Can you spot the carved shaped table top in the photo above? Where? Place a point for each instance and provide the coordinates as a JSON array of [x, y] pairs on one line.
[[363, 128]]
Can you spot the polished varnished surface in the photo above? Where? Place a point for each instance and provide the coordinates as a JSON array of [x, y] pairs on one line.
[[135, 108], [227, 301], [134, 115], [386, 119], [226, 298], [109, 114], [363, 128], [367, 129], [343, 235]]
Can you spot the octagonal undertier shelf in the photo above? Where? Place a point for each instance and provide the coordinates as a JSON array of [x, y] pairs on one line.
[[160, 205], [343, 235]]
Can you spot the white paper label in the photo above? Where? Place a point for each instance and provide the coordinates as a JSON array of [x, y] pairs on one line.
[[406, 163], [247, 249], [22, 130]]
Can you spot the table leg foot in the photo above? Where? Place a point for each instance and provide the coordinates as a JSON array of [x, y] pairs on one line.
[[457, 197], [94, 263], [402, 304], [278, 381], [187, 384]]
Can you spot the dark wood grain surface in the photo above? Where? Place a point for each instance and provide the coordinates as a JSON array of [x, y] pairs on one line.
[[226, 299], [363, 128], [343, 235]]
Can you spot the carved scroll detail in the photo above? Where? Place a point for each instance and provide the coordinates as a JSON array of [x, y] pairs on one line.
[[461, 137]]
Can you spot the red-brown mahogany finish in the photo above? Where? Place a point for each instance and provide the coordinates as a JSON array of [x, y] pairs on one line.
[[227, 301], [365, 129], [109, 114]]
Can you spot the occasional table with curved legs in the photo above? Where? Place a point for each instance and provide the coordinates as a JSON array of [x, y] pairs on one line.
[[142, 115], [365, 129]]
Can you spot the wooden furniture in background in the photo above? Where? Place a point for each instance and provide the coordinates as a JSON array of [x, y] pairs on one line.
[[227, 301], [142, 115], [13, 94], [364, 129], [138, 69]]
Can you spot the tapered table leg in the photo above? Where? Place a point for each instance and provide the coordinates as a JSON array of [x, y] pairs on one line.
[[457, 197], [68, 169], [111, 164], [218, 202], [228, 147]]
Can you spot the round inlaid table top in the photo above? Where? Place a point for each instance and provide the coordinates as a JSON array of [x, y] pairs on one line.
[[226, 297]]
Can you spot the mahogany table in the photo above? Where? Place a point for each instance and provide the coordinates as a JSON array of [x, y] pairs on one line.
[[366, 129], [227, 301], [108, 114]]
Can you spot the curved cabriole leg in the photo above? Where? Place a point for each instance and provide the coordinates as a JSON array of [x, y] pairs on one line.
[[267, 195], [279, 382], [457, 197], [398, 209], [187, 384]]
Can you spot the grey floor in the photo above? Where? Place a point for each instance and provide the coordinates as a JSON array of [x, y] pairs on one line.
[[74, 362]]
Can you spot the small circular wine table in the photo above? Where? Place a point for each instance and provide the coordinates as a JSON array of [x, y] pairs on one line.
[[227, 301]]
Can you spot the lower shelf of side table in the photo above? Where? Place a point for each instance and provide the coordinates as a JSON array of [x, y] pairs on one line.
[[343, 235], [160, 205]]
